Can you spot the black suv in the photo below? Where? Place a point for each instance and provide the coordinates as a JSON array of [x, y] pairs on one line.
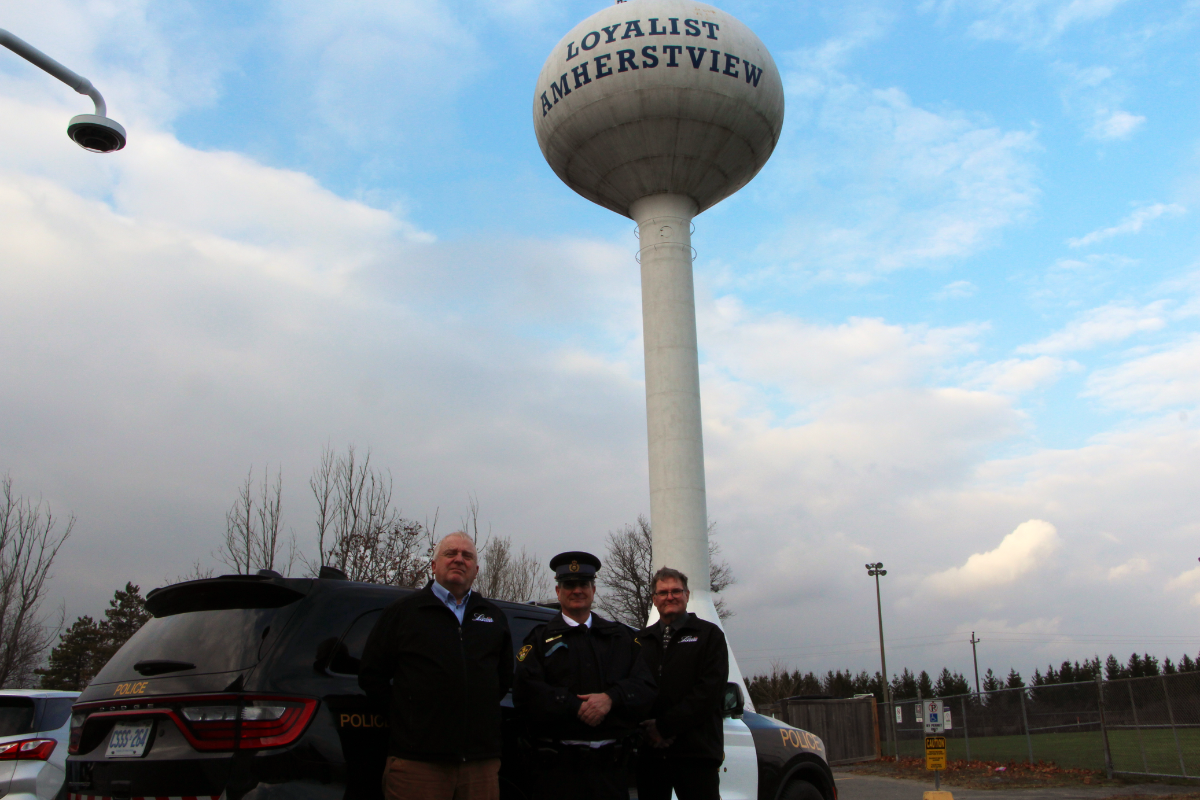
[[246, 687]]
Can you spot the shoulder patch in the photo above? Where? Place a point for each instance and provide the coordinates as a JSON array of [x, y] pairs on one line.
[[524, 651]]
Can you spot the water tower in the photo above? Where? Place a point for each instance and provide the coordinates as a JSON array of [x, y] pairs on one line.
[[658, 110]]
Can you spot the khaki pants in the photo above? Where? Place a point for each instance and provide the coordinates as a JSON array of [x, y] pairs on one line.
[[436, 780]]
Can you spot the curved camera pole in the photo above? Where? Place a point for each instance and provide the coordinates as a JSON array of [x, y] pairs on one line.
[[95, 132]]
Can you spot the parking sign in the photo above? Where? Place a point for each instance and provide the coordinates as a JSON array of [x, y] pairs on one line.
[[934, 722]]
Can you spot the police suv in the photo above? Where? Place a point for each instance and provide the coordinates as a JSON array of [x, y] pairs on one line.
[[245, 688]]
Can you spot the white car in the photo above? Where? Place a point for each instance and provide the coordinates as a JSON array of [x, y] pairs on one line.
[[34, 730]]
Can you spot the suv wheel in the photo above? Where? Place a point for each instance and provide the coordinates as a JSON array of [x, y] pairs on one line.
[[798, 789]]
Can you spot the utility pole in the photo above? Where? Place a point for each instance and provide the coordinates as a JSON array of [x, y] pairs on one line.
[[876, 570], [975, 658]]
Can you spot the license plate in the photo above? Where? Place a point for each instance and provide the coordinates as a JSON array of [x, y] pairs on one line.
[[129, 739]]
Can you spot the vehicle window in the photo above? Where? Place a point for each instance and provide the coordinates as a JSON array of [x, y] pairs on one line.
[[521, 626], [217, 626], [55, 713], [16, 715], [347, 652]]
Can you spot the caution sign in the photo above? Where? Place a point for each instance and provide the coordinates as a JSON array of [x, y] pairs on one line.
[[935, 753]]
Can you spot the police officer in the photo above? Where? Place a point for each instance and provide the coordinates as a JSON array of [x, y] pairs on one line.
[[582, 690], [685, 739]]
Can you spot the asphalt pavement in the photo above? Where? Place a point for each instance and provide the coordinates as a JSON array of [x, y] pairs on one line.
[[852, 786]]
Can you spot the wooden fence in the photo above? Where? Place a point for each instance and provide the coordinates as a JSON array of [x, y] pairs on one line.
[[849, 727]]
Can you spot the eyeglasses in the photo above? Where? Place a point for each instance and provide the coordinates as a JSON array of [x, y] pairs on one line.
[[665, 593]]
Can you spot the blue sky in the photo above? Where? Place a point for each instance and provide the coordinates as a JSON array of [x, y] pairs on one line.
[[952, 324]]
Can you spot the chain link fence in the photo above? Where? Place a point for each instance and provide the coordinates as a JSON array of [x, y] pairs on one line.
[[1132, 726]]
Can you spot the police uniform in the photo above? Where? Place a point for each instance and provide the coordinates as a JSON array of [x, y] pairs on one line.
[[561, 660]]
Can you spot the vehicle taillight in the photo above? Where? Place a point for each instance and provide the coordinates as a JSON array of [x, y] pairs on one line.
[[27, 750], [212, 727], [271, 723], [259, 722], [77, 721]]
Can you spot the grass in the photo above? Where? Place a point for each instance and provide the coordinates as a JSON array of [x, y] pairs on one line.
[[1082, 750], [1017, 775]]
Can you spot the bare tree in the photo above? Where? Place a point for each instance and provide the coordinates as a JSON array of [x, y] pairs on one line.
[[252, 527], [627, 573], [505, 574], [358, 531], [196, 573], [30, 539]]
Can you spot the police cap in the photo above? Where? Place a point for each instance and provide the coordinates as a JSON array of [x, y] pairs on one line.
[[574, 566]]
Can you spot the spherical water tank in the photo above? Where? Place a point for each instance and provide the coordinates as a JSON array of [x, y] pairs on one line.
[[658, 96]]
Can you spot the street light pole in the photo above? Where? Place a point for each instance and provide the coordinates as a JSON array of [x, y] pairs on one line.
[[94, 132], [876, 570]]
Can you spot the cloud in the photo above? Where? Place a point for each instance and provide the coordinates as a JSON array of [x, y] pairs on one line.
[[1131, 224], [1186, 581], [1167, 378], [809, 360], [1115, 125], [1028, 22], [916, 186], [1024, 550], [956, 290], [1104, 325], [1020, 375], [1134, 566]]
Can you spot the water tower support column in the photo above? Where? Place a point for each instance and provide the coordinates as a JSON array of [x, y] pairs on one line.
[[678, 510]]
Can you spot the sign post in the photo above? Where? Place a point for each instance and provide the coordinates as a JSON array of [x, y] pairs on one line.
[[935, 743]]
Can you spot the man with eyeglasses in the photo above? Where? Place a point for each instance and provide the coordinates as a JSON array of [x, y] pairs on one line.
[[685, 739], [581, 689]]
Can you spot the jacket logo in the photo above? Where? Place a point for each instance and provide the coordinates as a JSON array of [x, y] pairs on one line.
[[481, 617], [687, 639], [524, 652]]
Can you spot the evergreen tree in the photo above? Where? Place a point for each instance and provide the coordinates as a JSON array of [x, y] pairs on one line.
[[924, 684], [1150, 666], [990, 682], [838, 684], [904, 685], [1133, 668], [1113, 669], [1168, 667], [1186, 664], [125, 615], [76, 659], [85, 647], [950, 684], [1014, 680]]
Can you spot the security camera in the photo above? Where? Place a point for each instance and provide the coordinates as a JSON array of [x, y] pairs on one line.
[[97, 134]]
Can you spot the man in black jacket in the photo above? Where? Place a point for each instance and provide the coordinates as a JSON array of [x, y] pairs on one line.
[[685, 740], [441, 661], [581, 689]]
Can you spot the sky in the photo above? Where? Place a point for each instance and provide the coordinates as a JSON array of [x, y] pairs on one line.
[[951, 326]]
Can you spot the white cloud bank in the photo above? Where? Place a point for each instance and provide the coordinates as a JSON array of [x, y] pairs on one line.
[[1026, 549]]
